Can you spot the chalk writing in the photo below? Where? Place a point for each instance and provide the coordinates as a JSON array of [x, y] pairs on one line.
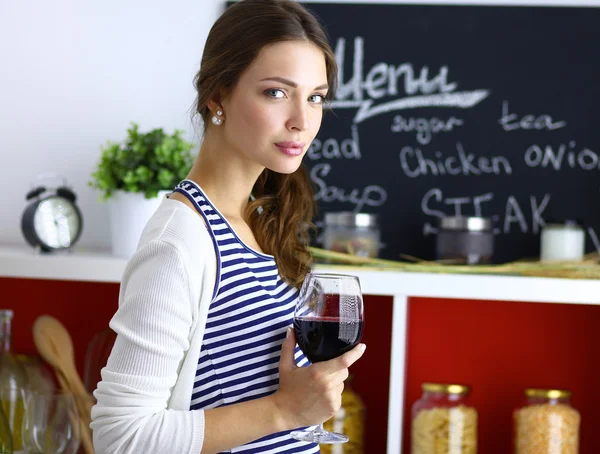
[[435, 204], [414, 164], [383, 79], [332, 149], [372, 195], [425, 128], [584, 159], [528, 121]]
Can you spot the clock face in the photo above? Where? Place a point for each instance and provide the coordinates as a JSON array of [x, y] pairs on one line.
[[57, 222]]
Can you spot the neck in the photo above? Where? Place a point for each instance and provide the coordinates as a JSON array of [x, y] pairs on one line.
[[5, 336], [225, 175]]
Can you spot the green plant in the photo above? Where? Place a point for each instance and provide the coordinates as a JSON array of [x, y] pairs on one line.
[[145, 162]]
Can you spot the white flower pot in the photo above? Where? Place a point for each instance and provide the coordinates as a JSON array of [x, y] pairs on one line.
[[129, 213]]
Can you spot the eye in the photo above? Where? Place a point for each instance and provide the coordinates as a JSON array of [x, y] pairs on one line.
[[275, 93], [316, 98]]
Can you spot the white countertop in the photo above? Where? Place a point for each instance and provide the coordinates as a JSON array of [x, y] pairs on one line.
[[23, 262]]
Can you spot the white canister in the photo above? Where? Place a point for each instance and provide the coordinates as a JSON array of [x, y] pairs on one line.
[[564, 241]]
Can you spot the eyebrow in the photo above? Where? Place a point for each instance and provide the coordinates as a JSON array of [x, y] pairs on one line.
[[292, 83]]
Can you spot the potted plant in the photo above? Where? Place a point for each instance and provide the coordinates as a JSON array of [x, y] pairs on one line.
[[134, 177]]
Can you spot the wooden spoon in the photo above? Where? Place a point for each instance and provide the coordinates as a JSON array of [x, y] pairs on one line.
[[54, 344]]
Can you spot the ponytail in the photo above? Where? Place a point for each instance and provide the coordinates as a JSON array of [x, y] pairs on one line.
[[281, 218]]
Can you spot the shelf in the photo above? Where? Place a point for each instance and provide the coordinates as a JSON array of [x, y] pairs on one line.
[[21, 262]]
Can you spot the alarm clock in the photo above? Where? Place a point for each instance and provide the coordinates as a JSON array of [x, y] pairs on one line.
[[51, 221]]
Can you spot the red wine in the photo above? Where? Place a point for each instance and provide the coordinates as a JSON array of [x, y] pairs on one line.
[[325, 338]]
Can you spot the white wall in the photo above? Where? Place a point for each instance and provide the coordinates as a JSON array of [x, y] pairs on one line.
[[73, 74]]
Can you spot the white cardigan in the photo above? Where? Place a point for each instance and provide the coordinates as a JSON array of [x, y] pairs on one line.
[[144, 397]]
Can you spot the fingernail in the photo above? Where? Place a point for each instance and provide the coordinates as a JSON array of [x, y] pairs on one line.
[[288, 333], [363, 347]]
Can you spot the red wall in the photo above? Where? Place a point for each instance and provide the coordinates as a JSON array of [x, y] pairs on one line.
[[497, 347], [500, 348], [85, 308]]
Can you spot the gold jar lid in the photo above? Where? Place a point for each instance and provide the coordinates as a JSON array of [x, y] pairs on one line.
[[548, 393], [445, 388]]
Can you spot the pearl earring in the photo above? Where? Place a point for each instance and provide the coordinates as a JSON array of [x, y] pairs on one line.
[[216, 120]]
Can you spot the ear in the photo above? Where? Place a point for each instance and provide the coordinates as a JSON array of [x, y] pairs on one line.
[[219, 100], [213, 105]]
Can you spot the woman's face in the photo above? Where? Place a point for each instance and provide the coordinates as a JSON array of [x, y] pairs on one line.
[[275, 110]]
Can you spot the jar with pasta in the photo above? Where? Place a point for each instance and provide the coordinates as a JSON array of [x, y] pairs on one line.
[[546, 423], [443, 422]]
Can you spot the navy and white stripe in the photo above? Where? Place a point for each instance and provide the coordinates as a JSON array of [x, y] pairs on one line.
[[252, 308]]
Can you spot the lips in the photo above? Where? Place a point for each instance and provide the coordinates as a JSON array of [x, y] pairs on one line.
[[291, 148]]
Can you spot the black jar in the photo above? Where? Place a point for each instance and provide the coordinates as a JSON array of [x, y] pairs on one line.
[[465, 240]]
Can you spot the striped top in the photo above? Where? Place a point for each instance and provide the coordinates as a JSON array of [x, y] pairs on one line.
[[251, 309]]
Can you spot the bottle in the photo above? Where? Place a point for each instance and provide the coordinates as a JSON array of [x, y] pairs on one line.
[[6, 445], [12, 374], [349, 420], [443, 422], [13, 381], [546, 422]]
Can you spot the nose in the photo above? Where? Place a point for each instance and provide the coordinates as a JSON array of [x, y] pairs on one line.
[[298, 118]]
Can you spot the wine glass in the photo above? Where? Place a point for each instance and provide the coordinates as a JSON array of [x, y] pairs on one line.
[[51, 423], [328, 321]]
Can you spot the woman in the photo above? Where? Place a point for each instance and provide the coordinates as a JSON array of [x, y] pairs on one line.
[[204, 359]]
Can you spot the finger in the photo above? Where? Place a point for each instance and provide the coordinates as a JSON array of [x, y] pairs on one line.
[[344, 361], [338, 377], [287, 361]]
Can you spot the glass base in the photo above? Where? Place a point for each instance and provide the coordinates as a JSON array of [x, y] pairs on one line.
[[319, 436]]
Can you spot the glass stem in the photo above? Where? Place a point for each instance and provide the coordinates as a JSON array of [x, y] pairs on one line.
[[320, 429]]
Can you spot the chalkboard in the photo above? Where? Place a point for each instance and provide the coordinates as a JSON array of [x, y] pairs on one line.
[[462, 109]]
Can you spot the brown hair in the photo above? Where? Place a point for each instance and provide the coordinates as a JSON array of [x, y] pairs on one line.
[[281, 214]]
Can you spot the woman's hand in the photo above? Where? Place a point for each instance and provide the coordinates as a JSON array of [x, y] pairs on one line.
[[310, 395]]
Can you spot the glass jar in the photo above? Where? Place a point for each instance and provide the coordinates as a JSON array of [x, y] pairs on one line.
[[546, 423], [465, 240], [352, 233], [443, 422], [349, 420]]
